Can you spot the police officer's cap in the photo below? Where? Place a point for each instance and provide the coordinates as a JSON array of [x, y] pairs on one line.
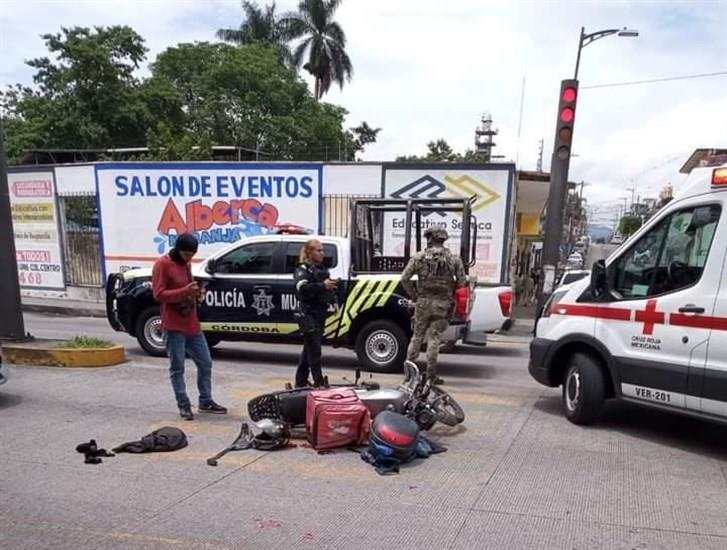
[[436, 234]]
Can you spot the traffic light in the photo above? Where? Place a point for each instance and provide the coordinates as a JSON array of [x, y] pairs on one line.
[[566, 119], [558, 190]]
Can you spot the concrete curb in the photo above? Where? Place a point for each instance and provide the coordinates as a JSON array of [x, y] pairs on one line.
[[47, 355]]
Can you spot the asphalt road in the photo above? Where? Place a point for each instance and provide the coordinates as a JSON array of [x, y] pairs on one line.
[[516, 474]]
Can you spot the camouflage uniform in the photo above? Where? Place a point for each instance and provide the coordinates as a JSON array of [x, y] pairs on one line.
[[438, 272]]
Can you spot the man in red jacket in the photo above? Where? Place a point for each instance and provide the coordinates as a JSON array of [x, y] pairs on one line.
[[178, 293]]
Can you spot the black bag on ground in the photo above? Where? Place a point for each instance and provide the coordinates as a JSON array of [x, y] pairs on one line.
[[162, 440]]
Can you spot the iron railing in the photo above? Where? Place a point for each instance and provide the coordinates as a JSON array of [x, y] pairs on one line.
[[81, 239], [337, 213]]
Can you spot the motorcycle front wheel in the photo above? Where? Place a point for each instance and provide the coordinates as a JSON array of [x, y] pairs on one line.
[[448, 410]]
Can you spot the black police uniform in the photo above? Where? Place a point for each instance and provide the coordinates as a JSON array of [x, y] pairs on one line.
[[313, 303]]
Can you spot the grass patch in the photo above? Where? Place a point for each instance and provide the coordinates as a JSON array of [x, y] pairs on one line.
[[84, 342]]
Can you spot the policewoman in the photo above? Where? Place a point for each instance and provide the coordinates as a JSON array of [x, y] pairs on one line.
[[315, 291]]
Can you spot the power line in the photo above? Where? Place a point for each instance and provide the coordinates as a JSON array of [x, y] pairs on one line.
[[666, 79]]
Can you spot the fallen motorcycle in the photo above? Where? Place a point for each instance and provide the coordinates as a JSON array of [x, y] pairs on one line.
[[415, 397]]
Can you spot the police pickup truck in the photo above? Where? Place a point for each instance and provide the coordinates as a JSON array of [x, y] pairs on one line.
[[250, 294], [650, 324]]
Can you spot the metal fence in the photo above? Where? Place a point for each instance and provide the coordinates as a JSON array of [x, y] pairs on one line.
[[81, 239], [337, 213]]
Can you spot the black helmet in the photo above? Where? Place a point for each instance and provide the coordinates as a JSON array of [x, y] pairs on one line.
[[436, 234], [272, 434]]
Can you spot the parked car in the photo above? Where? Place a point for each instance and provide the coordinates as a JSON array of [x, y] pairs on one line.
[[575, 261]]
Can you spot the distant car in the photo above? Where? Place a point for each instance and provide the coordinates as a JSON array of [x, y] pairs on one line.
[[617, 240], [575, 261], [573, 275]]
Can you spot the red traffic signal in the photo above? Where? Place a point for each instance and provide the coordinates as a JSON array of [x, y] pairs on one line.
[[567, 115], [566, 119]]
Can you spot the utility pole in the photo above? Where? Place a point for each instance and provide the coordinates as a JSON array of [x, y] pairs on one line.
[[11, 313], [539, 167], [557, 191], [560, 161], [633, 194]]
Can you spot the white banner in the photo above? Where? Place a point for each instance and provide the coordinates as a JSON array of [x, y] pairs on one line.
[[493, 189], [144, 206], [35, 227]]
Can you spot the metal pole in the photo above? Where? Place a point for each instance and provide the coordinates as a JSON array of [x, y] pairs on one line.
[[11, 313], [554, 222], [580, 47]]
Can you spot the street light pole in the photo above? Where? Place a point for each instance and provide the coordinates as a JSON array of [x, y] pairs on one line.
[[587, 39], [11, 314], [560, 163]]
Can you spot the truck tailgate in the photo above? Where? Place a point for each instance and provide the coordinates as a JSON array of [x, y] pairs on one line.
[[487, 312]]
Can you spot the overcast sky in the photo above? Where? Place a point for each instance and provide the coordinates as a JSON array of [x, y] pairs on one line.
[[426, 69]]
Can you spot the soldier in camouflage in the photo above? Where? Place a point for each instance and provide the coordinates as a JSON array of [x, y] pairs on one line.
[[439, 273]]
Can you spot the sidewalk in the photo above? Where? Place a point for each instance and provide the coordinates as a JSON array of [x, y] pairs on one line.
[[62, 306], [520, 333]]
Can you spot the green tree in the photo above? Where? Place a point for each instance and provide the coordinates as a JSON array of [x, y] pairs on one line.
[[85, 94], [441, 151], [166, 144], [362, 135], [322, 51], [242, 96], [437, 151], [628, 225], [260, 25]]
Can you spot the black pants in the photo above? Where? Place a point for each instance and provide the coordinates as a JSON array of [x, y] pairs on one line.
[[310, 357]]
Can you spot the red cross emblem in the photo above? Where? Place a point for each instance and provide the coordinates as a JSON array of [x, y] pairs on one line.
[[650, 317]]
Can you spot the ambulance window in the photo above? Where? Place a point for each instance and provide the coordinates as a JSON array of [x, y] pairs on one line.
[[686, 247], [256, 258], [292, 253], [632, 274]]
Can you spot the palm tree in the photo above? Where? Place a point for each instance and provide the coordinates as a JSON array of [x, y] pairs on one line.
[[323, 40], [262, 26]]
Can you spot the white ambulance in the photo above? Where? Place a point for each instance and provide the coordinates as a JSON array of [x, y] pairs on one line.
[[650, 324]]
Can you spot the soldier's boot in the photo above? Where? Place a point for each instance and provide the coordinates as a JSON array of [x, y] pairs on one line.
[[436, 380]]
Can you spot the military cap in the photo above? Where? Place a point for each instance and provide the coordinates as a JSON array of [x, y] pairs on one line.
[[436, 234]]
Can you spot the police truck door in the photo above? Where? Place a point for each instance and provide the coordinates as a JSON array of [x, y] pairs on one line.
[[240, 293]]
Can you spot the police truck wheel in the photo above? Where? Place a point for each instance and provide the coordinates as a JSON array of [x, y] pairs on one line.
[[583, 390], [149, 332], [381, 346]]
